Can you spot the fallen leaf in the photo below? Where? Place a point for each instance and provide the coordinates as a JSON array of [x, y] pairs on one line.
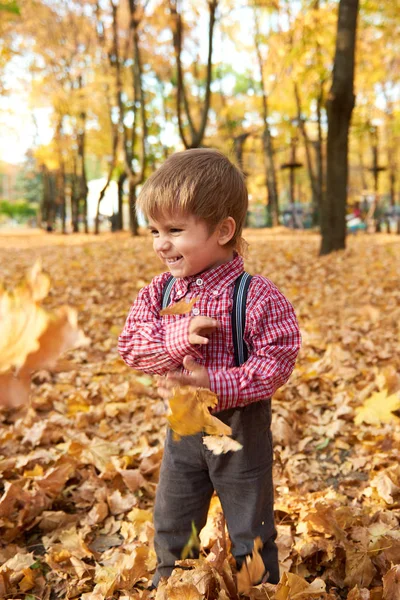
[[221, 444], [377, 409], [252, 569]]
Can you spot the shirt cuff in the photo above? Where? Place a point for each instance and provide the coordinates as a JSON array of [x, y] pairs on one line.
[[177, 340], [224, 384]]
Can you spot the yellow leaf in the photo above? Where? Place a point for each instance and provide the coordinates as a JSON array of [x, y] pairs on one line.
[[180, 308], [37, 471], [22, 322], [252, 569], [220, 444], [190, 415], [28, 581], [378, 409], [30, 337]]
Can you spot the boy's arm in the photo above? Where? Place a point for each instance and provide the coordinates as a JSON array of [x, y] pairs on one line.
[[274, 339], [146, 343]]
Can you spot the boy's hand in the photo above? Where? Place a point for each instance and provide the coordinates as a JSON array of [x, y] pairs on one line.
[[197, 377], [200, 328]]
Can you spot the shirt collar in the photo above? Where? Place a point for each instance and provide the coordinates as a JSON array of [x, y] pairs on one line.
[[213, 281]]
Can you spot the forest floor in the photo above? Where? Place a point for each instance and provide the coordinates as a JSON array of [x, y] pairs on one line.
[[79, 466]]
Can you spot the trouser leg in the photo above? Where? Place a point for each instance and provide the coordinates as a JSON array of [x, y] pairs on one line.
[[243, 482], [183, 496]]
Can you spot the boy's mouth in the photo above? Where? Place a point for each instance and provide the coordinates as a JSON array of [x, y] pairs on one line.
[[173, 261]]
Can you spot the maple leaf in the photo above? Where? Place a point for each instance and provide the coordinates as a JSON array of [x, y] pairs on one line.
[[22, 319], [252, 569], [221, 444], [31, 338], [182, 307], [378, 409], [391, 584], [294, 587], [190, 415]]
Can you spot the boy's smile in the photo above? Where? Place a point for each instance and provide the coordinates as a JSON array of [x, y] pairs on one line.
[[186, 246]]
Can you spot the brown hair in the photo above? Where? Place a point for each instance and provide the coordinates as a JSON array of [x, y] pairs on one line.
[[202, 182]]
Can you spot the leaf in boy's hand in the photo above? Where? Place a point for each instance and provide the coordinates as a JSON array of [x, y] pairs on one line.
[[221, 444], [252, 569], [180, 308], [190, 415]]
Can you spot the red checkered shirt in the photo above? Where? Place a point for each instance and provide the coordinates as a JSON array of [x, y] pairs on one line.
[[156, 344]]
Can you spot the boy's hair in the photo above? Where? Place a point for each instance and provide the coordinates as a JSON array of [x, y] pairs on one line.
[[202, 182]]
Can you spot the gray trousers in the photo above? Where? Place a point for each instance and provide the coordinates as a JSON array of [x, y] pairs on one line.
[[243, 481]]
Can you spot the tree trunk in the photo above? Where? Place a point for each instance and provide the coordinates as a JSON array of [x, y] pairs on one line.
[[51, 207], [132, 209], [340, 105], [74, 198], [320, 159], [131, 152], [120, 217], [83, 187], [310, 167], [61, 200], [195, 135], [238, 143], [269, 159]]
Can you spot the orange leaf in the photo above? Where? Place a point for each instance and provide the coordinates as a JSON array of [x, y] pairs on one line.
[[180, 308]]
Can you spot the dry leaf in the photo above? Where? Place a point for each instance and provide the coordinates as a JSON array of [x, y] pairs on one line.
[[221, 444], [190, 415], [252, 570], [377, 409], [391, 584], [31, 338], [293, 587], [22, 320], [183, 307]]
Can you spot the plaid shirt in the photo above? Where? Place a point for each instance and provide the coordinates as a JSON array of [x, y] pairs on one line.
[[156, 345]]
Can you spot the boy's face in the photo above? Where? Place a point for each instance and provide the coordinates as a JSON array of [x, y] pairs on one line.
[[186, 245]]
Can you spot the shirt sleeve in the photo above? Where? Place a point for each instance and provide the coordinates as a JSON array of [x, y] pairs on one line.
[[273, 337], [146, 343]]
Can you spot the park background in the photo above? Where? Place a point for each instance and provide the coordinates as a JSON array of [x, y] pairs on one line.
[[304, 96]]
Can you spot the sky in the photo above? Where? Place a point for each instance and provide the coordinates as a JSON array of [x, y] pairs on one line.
[[19, 125]]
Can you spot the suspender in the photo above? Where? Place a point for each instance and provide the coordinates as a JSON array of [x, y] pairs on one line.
[[238, 316]]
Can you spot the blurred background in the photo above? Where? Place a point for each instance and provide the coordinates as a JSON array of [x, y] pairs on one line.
[[94, 95]]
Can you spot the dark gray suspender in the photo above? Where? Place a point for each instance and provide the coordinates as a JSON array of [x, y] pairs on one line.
[[238, 316]]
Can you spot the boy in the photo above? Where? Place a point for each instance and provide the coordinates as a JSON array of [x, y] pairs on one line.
[[196, 205]]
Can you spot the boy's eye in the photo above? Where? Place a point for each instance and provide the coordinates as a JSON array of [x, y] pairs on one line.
[[175, 230], [153, 231]]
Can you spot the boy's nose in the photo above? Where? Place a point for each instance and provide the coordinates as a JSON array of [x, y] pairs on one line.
[[161, 244]]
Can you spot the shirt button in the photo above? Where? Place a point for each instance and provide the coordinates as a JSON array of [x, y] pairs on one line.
[[179, 293], [199, 281], [195, 311], [215, 292]]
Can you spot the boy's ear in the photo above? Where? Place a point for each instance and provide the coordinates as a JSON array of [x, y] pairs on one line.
[[227, 229]]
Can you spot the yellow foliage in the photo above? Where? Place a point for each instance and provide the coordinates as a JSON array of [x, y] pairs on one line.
[[378, 409]]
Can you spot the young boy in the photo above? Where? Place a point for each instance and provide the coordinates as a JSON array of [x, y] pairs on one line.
[[196, 205]]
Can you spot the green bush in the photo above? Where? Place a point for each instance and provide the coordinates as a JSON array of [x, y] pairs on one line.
[[20, 211]]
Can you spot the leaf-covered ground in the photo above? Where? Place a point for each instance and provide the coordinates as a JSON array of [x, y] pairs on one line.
[[78, 468]]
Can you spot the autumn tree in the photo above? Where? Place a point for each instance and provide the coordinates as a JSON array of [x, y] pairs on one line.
[[340, 105], [192, 134]]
